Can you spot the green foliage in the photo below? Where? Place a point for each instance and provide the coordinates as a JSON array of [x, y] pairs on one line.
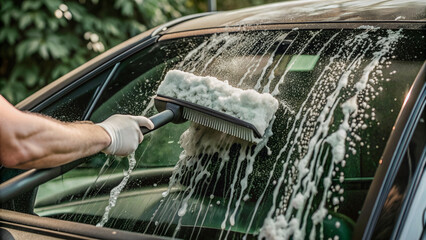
[[42, 40]]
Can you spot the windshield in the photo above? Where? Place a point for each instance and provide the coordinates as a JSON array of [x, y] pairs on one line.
[[339, 91]]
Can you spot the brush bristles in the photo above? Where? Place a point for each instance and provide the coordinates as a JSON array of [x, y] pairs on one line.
[[219, 124]]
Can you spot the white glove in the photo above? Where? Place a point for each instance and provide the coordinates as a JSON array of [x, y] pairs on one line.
[[125, 133]]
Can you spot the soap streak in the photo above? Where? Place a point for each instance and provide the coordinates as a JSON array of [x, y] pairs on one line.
[[303, 155], [276, 89], [115, 192]]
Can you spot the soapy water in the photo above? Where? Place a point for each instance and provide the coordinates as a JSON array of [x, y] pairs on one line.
[[309, 154], [289, 196], [115, 192]]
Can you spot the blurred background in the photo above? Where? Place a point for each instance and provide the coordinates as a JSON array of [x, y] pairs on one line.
[[42, 40]]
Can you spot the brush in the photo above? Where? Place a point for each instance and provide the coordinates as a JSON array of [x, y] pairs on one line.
[[212, 103]]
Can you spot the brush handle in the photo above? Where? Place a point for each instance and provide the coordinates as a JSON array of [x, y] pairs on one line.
[[32, 178], [159, 120]]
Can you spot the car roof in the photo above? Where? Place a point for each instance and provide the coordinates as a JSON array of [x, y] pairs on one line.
[[313, 11]]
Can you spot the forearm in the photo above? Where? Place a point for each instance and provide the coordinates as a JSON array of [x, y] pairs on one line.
[[29, 140], [42, 142]]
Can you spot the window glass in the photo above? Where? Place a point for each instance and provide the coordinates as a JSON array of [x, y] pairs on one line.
[[404, 178], [73, 105], [339, 91]]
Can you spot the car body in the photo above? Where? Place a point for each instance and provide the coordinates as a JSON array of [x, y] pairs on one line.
[[344, 157]]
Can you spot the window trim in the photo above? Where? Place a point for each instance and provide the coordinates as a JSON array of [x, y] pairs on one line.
[[336, 25], [392, 157], [98, 93], [409, 199], [50, 226], [412, 188]]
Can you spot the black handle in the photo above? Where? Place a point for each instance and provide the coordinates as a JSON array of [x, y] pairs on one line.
[[32, 178], [159, 120]]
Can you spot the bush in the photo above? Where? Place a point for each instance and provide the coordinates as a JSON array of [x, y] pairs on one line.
[[43, 40]]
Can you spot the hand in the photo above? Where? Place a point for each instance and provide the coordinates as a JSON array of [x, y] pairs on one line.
[[125, 133]]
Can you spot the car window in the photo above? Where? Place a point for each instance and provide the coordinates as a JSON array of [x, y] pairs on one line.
[[73, 105], [339, 91], [405, 176], [69, 106]]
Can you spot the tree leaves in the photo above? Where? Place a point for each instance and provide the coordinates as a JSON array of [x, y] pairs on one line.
[[42, 51], [39, 20], [25, 21], [125, 6], [31, 5], [27, 48], [9, 34], [56, 46], [37, 46]]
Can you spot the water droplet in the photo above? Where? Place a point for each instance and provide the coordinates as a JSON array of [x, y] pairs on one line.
[[337, 224]]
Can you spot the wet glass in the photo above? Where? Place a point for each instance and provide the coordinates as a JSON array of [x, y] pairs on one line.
[[73, 105], [404, 179], [339, 91]]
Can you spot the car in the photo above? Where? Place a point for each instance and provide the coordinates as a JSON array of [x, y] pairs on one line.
[[343, 158]]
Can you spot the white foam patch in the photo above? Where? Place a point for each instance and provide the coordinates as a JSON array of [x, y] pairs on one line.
[[247, 105]]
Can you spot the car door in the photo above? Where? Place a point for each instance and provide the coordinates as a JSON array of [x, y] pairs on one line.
[[205, 195], [154, 198]]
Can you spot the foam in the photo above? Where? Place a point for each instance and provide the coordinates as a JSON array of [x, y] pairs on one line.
[[247, 105]]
